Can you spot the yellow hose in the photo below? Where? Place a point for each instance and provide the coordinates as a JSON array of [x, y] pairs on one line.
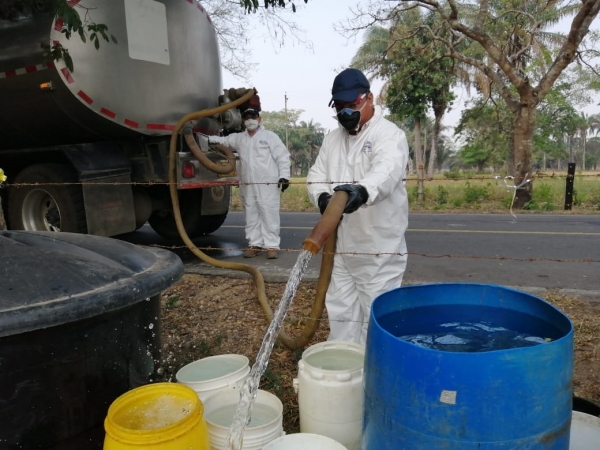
[[322, 237]]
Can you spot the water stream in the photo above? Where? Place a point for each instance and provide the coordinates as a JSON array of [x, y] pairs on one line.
[[250, 387]]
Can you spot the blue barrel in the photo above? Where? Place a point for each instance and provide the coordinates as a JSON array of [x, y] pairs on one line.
[[427, 399]]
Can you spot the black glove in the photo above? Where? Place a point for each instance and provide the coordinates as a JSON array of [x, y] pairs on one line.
[[357, 196], [323, 201], [283, 183]]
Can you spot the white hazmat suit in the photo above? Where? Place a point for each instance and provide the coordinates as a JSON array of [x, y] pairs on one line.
[[371, 251], [263, 159]]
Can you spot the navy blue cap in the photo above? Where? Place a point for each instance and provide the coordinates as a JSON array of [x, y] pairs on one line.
[[348, 85], [250, 111]]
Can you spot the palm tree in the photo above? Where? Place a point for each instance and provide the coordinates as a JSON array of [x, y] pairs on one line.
[[426, 81]]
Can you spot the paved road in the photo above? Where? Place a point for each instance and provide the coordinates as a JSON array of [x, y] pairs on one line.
[[532, 252]]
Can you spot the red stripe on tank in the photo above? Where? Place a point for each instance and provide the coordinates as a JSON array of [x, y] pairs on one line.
[[85, 97], [30, 69], [131, 123], [159, 126], [11, 73], [108, 112], [67, 75]]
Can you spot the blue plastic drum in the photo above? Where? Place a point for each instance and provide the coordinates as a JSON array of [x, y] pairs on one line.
[[467, 366]]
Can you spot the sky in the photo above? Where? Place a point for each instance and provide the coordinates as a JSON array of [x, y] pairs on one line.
[[305, 75]]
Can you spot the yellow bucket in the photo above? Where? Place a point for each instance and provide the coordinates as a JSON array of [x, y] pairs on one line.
[[165, 416]]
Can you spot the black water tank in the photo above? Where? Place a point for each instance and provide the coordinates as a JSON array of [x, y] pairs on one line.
[[79, 326]]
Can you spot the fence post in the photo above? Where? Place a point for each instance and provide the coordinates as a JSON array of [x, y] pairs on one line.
[[569, 186]]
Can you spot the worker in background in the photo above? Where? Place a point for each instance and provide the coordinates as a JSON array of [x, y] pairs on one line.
[[264, 169], [366, 157]]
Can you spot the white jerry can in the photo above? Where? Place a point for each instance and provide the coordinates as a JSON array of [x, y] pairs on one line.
[[330, 391]]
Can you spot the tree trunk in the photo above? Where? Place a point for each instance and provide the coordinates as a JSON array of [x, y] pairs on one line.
[[544, 164], [523, 139], [433, 154], [583, 140], [419, 161]]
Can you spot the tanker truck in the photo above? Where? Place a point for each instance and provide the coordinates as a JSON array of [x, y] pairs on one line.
[[86, 150]]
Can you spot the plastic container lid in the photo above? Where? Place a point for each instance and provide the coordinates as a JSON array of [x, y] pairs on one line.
[[50, 279]]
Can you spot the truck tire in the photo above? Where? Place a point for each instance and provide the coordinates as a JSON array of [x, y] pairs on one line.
[[51, 206], [195, 223]]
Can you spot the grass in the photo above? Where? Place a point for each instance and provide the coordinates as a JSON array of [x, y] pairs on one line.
[[471, 192]]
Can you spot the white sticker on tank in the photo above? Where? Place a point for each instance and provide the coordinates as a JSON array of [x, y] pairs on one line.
[[448, 397], [147, 31]]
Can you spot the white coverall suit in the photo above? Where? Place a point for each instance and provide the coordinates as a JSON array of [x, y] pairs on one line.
[[375, 158], [263, 159]]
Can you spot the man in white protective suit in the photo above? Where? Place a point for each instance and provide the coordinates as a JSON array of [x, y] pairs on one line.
[[365, 156], [264, 169]]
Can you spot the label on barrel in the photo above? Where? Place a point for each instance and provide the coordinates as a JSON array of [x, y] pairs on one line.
[[448, 397]]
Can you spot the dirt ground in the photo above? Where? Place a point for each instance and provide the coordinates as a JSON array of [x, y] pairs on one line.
[[205, 316]]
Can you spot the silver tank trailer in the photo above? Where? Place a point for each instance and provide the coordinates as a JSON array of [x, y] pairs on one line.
[[164, 65], [107, 123]]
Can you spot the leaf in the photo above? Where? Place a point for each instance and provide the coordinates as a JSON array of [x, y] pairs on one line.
[[113, 38], [68, 60], [97, 44]]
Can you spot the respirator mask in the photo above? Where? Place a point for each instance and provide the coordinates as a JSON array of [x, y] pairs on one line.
[[350, 118], [251, 124]]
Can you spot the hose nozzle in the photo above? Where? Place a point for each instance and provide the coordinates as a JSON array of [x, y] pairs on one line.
[[330, 219]]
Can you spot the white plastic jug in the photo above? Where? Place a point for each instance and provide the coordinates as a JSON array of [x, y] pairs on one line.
[[213, 374], [585, 431], [304, 441], [330, 391], [266, 423]]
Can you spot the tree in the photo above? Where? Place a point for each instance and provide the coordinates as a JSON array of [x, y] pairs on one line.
[[504, 31], [304, 138], [413, 81], [483, 127]]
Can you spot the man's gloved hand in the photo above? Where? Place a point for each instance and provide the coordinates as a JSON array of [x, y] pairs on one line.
[[323, 201], [283, 183], [357, 196]]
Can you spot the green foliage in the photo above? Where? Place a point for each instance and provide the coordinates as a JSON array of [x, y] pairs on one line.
[[453, 174], [72, 24], [442, 195], [204, 348], [273, 382], [172, 301], [594, 198], [304, 139], [486, 128], [419, 76], [412, 193], [448, 194], [475, 194]]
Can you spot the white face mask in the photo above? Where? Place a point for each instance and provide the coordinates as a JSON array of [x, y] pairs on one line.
[[251, 124]]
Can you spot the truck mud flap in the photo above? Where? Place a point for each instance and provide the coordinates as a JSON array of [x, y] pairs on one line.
[[109, 205], [105, 174]]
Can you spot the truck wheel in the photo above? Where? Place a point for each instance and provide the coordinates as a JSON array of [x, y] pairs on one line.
[[195, 224], [51, 206]]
